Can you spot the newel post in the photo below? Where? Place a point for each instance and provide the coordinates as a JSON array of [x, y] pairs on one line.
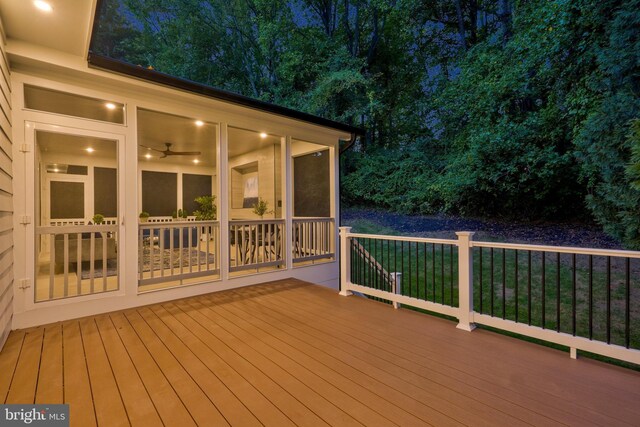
[[465, 281], [345, 260]]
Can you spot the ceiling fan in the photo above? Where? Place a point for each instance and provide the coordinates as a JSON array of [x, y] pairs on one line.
[[168, 151]]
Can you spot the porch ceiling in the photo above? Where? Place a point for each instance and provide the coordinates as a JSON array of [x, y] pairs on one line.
[[289, 353], [66, 28]]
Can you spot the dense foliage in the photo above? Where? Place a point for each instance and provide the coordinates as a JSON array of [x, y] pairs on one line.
[[513, 108]]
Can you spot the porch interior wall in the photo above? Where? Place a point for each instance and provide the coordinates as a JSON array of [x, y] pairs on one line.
[[6, 196], [266, 182]]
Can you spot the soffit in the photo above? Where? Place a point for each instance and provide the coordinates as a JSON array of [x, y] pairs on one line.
[[65, 29]]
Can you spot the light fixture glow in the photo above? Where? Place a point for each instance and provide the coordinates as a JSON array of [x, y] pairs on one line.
[[263, 135], [196, 161], [43, 6], [199, 123], [90, 150], [148, 156], [110, 105], [56, 170]]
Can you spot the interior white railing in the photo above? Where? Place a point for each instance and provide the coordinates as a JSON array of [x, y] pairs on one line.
[[313, 239], [78, 260], [175, 251], [256, 244]]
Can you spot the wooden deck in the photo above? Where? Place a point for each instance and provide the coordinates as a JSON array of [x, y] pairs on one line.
[[291, 353]]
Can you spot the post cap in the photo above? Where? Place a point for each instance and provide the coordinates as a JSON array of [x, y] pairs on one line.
[[468, 234]]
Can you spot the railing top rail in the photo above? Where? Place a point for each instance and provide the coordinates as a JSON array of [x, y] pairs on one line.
[[559, 249], [312, 218], [404, 238], [255, 221], [176, 224], [72, 229]]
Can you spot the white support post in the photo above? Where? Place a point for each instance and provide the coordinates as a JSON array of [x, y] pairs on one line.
[[345, 260], [397, 287], [287, 199], [465, 281], [223, 190], [573, 353]]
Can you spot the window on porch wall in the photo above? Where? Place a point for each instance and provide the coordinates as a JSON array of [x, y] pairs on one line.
[[256, 226], [178, 232], [76, 211], [313, 222]]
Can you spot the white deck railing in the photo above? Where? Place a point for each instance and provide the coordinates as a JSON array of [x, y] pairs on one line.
[[175, 251], [313, 239], [79, 260], [255, 244], [581, 298]]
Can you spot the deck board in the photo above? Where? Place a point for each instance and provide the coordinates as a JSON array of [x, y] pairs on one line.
[[170, 406], [50, 376], [494, 353], [466, 410], [290, 353], [138, 404], [216, 378], [77, 385], [8, 361], [270, 388], [25, 378], [108, 404], [399, 407], [447, 375], [196, 402]]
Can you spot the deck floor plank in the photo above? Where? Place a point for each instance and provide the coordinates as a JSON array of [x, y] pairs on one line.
[[77, 386], [490, 347], [140, 408], [501, 354], [259, 331], [195, 400], [238, 401], [399, 406], [290, 353], [289, 405], [51, 375], [171, 408], [9, 360], [450, 376], [25, 378], [110, 409], [309, 397], [330, 392], [466, 408]]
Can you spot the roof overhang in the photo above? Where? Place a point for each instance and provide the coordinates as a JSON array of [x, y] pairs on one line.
[[113, 65]]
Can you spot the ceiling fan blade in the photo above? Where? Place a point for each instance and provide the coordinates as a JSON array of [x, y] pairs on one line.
[[182, 153], [151, 148]]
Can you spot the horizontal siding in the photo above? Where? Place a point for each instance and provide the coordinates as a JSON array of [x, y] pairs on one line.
[[6, 199]]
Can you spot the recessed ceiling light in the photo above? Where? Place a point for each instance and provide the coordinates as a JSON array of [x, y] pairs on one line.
[[43, 5], [263, 135], [90, 150], [56, 170], [196, 161], [148, 156], [199, 123], [110, 105]]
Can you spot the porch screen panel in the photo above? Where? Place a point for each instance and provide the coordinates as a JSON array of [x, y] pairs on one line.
[[194, 186], [67, 200], [105, 187], [159, 193], [311, 189]]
